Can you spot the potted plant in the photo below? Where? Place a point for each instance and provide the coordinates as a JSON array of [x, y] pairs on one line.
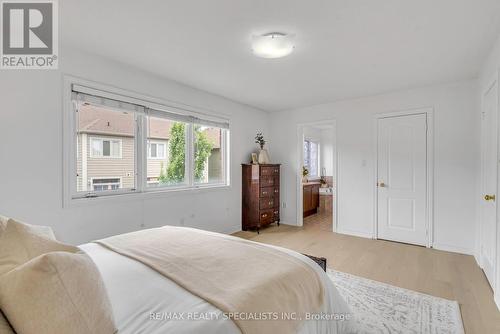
[[263, 155], [305, 172], [323, 182]]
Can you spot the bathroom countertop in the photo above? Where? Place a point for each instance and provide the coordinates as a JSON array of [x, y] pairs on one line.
[[311, 183]]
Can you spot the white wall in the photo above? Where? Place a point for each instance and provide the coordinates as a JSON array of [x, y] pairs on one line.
[[491, 64], [326, 151], [456, 149], [312, 133], [31, 154]]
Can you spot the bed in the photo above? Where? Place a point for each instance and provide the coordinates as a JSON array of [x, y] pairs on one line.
[[143, 299]]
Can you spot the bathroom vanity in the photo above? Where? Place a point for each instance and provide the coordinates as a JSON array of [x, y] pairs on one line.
[[310, 198]]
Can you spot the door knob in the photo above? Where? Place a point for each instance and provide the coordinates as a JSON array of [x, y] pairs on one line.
[[381, 185], [489, 197]]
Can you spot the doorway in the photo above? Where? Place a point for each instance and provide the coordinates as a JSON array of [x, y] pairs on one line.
[[403, 177], [317, 175]]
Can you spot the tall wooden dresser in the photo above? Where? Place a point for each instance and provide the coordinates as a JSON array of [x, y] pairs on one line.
[[261, 196]]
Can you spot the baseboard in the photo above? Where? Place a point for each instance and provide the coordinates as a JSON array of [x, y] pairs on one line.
[[496, 297], [454, 249], [355, 233], [234, 229], [284, 222], [478, 259], [231, 230]]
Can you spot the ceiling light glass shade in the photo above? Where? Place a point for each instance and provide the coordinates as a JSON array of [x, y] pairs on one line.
[[273, 45]]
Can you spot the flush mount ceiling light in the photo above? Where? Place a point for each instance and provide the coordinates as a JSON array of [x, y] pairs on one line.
[[272, 45]]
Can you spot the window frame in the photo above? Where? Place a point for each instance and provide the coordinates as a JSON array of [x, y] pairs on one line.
[[141, 190]]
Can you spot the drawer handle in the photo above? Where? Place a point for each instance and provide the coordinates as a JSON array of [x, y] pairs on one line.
[[276, 212], [264, 215], [276, 191], [264, 193], [271, 203]]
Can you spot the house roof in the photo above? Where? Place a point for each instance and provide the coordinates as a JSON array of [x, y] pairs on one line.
[[98, 120], [213, 136]]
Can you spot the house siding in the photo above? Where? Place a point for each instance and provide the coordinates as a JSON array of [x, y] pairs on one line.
[[122, 168], [215, 165]]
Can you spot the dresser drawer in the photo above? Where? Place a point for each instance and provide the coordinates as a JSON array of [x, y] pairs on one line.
[[269, 171], [269, 181], [268, 192], [266, 217], [267, 203]]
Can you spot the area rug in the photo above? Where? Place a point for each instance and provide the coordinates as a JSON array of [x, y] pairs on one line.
[[383, 308]]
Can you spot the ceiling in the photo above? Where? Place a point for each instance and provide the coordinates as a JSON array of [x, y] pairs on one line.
[[344, 48]]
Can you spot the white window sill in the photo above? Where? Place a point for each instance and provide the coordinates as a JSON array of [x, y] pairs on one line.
[[148, 194]]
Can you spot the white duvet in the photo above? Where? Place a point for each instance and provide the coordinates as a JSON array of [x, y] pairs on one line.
[[144, 301]]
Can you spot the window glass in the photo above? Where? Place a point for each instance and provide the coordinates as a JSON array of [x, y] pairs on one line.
[[311, 157], [166, 164], [314, 158], [96, 147], [307, 155], [208, 162], [160, 151], [106, 149], [106, 140], [153, 150]]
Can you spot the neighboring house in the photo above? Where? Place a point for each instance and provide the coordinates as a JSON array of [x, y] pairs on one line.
[[214, 163], [105, 149]]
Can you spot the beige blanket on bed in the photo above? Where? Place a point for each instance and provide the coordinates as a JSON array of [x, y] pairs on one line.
[[245, 279]]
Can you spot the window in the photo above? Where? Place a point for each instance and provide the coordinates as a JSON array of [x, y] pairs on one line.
[[105, 148], [157, 150], [208, 160], [311, 157], [171, 172], [106, 184], [123, 145]]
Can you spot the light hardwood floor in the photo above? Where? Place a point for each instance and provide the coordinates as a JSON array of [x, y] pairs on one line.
[[443, 274]]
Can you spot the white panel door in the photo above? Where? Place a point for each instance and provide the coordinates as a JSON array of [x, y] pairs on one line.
[[402, 179], [489, 128]]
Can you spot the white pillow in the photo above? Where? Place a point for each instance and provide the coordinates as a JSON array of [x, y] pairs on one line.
[[57, 292], [20, 243], [3, 223], [43, 230]]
